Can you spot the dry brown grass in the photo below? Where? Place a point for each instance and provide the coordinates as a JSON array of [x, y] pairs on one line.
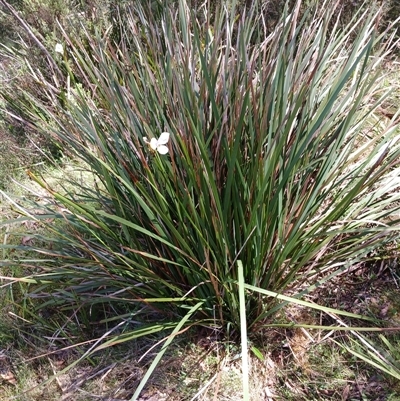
[[298, 364]]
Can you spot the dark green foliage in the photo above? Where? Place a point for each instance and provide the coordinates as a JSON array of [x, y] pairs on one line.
[[263, 163]]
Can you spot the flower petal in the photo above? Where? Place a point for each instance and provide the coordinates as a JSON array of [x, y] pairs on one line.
[[164, 138], [153, 143], [59, 48], [162, 150]]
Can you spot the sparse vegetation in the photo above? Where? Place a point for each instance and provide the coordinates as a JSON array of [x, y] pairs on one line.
[[122, 277]]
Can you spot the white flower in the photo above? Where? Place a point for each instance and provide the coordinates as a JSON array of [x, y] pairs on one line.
[[159, 144], [59, 48]]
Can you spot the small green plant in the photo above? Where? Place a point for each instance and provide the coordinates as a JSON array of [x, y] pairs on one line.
[[214, 144]]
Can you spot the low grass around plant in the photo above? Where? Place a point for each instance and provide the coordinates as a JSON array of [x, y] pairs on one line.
[[296, 364], [213, 147]]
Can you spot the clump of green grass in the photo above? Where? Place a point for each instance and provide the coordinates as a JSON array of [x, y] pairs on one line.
[[213, 144]]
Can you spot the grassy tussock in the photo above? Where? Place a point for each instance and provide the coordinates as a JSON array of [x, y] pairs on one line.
[[271, 163]]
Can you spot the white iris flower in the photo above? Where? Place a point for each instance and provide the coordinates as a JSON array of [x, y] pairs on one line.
[[59, 48], [159, 144]]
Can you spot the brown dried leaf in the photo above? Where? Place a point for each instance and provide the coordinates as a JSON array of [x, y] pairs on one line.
[[27, 240], [9, 378], [384, 311], [345, 393]]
